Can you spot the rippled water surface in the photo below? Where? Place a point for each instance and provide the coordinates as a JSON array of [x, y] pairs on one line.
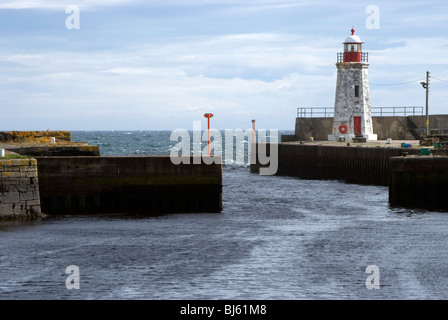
[[277, 238]]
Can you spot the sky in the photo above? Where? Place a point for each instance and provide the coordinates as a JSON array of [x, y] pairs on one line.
[[162, 64]]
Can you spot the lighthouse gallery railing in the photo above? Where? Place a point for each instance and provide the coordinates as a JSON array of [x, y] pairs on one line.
[[364, 57]]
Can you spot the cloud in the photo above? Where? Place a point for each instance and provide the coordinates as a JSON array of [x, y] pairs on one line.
[[237, 76], [178, 79], [428, 51], [90, 4], [60, 4]]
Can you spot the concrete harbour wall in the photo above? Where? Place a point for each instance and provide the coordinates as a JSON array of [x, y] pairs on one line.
[[394, 127], [33, 136], [19, 189], [419, 182], [360, 165], [56, 150], [40, 143], [146, 185]]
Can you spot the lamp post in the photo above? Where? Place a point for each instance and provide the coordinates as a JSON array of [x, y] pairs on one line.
[[208, 116], [425, 85]]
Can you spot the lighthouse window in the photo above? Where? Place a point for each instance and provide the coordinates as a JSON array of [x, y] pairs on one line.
[[349, 47], [357, 91]]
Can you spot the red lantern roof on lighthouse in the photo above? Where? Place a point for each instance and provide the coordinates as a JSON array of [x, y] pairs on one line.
[[353, 38]]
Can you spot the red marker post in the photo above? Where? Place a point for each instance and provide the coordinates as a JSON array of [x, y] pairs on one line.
[[208, 116]]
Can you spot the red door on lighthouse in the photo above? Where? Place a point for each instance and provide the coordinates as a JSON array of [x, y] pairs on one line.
[[357, 125]]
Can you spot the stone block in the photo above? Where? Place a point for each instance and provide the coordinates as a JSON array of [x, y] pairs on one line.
[[22, 162], [29, 169], [13, 188], [26, 181], [9, 181], [4, 188], [11, 198], [12, 168], [34, 210], [27, 196], [21, 188], [19, 209], [28, 174], [33, 203], [11, 174], [6, 209], [31, 174]]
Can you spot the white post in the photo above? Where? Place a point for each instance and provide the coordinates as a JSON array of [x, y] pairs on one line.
[[2, 153], [253, 132]]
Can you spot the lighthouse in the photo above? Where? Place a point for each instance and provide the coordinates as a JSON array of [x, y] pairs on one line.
[[352, 116]]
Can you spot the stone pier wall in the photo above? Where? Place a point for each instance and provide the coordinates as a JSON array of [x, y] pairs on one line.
[[360, 165], [394, 127], [33, 136], [419, 182], [39, 143], [19, 189], [128, 185], [55, 150]]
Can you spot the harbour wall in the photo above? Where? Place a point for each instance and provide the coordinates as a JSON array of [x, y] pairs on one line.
[[146, 185], [394, 127], [33, 136], [419, 182], [50, 150], [351, 164], [19, 189], [41, 143]]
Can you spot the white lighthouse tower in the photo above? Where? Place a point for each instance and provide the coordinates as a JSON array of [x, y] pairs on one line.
[[352, 115]]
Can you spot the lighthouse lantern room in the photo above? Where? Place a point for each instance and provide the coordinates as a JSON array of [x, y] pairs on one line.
[[352, 115]]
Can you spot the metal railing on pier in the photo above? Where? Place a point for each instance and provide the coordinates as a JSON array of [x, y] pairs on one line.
[[326, 112], [397, 111], [315, 112]]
